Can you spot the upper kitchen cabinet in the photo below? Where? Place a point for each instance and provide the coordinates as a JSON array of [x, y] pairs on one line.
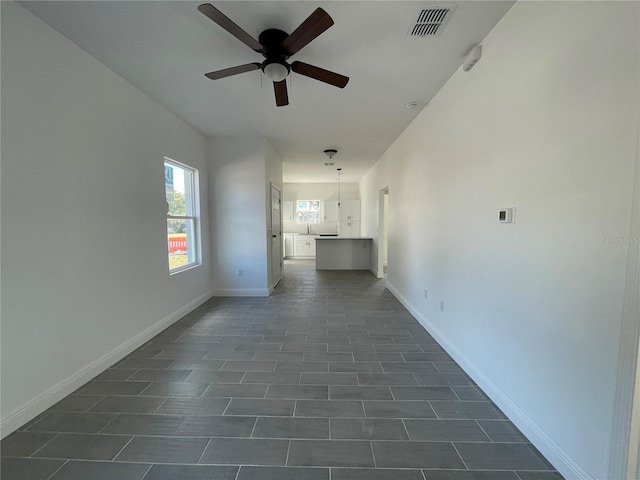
[[331, 211], [350, 211], [287, 211]]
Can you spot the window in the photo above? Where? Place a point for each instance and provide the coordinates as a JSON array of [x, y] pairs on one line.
[[308, 211], [180, 183]]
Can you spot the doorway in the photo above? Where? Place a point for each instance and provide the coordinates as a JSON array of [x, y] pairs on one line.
[[383, 232], [276, 237]]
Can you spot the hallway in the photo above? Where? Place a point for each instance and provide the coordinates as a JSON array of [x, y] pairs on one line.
[[330, 378]]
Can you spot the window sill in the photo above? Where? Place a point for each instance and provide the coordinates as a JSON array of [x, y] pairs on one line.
[[184, 268]]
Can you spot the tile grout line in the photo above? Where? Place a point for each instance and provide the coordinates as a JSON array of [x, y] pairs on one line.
[[108, 423], [462, 459], [147, 472], [125, 446], [226, 406], [58, 469], [204, 450], [375, 463], [45, 444], [139, 394], [286, 461], [393, 397], [484, 431], [406, 429], [160, 406], [184, 419], [255, 424]]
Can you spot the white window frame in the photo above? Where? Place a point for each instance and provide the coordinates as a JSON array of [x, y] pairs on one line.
[[192, 215], [319, 211]]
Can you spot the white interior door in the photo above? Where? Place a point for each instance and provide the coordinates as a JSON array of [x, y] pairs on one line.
[[276, 236]]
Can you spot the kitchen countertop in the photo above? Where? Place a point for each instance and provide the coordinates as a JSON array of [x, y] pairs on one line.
[[329, 236], [344, 238], [312, 234]]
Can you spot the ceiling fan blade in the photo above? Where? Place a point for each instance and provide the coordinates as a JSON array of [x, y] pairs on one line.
[[312, 27], [227, 72], [221, 19], [320, 74], [280, 88]]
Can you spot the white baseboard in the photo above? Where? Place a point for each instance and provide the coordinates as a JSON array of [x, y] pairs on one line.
[[241, 292], [560, 459], [35, 406]]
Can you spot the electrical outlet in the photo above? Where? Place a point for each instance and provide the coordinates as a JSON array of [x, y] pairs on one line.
[[442, 305], [426, 293], [241, 273]]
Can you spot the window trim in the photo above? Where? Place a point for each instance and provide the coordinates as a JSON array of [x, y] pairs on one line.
[[192, 205], [295, 213]]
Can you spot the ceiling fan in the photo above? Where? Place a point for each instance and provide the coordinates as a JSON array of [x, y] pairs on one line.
[[276, 47]]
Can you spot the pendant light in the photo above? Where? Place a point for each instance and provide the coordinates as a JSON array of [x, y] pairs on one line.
[[330, 152]]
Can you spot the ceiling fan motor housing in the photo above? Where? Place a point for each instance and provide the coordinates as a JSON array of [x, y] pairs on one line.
[[271, 39], [275, 66]]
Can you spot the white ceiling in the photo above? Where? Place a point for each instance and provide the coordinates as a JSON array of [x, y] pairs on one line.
[[164, 49]]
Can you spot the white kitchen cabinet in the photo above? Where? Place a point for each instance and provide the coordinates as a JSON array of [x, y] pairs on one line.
[[354, 214], [350, 211], [304, 246], [349, 229], [287, 211], [288, 245], [331, 211]]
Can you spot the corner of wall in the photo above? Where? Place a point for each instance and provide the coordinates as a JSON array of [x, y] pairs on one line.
[[35, 406], [550, 449]]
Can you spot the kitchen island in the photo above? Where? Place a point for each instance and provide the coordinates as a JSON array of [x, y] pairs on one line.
[[343, 253]]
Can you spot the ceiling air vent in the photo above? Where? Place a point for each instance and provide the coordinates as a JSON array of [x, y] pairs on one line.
[[430, 21]]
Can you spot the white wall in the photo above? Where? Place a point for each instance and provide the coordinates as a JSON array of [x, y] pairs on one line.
[[317, 191], [547, 122], [241, 169], [84, 251]]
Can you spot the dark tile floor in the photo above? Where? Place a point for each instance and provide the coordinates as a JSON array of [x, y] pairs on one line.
[[330, 378]]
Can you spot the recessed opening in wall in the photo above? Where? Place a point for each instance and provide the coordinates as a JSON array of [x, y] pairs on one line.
[[308, 211], [180, 183]]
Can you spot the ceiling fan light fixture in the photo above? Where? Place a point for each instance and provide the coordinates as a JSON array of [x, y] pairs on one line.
[[330, 152], [275, 70]]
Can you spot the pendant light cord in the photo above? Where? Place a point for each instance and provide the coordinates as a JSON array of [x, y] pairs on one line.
[[339, 173]]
